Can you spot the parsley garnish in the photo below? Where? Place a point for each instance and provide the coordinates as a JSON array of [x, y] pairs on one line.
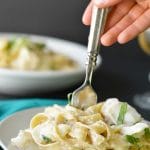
[[46, 139], [131, 139], [122, 113], [69, 96], [147, 133], [40, 45]]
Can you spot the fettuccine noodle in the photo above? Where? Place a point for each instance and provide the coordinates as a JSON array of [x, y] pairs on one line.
[[96, 128]]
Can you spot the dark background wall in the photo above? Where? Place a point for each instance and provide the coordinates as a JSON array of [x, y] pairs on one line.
[[60, 18]]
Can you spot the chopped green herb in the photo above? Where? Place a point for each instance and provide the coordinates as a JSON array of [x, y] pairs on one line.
[[10, 43], [122, 113], [46, 139], [17, 43], [131, 139], [147, 133], [69, 96], [40, 45]]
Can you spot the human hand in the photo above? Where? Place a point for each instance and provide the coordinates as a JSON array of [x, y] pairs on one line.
[[127, 19]]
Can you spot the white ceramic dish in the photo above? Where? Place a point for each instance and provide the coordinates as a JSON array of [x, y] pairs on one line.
[[31, 82], [10, 127]]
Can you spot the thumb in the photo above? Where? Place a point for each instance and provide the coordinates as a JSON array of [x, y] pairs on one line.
[[106, 3]]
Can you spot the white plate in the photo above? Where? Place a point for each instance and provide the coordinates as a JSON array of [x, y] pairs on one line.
[[10, 127], [31, 82]]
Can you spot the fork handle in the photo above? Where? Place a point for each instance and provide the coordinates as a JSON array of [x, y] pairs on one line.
[[99, 18]]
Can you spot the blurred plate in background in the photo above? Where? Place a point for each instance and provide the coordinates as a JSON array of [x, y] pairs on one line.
[[31, 82]]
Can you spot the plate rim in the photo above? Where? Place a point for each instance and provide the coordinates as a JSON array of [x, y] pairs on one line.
[[13, 115]]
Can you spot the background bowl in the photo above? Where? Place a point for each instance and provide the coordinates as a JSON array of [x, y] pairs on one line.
[[16, 82]]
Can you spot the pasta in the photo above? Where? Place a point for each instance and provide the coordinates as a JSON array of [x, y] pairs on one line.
[[24, 54], [95, 128]]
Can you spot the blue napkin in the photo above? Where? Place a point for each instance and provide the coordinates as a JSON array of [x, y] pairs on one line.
[[8, 107]]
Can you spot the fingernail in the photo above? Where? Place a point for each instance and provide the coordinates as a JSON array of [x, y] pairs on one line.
[[100, 1]]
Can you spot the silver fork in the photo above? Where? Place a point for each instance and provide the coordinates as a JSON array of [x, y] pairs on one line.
[[85, 95]]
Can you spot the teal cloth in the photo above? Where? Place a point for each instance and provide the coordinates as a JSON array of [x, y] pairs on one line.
[[8, 107]]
